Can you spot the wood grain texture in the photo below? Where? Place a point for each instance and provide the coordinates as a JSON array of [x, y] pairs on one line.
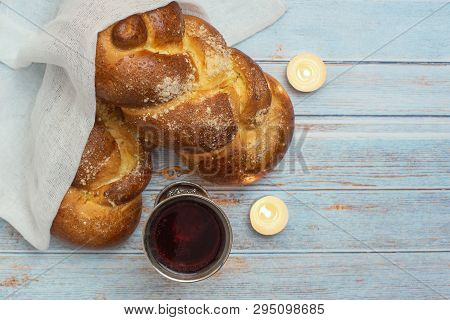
[[347, 30], [351, 30], [376, 89], [368, 172], [304, 276], [319, 222], [373, 89], [350, 153]]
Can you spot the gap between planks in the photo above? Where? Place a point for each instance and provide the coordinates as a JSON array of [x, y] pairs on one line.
[[247, 189], [355, 62], [233, 253], [401, 116]]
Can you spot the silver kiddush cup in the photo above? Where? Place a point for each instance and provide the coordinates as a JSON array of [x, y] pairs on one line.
[[182, 192]]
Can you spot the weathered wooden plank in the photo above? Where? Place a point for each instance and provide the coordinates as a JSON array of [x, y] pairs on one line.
[[395, 153], [351, 153], [344, 153], [344, 30], [340, 153], [374, 89], [332, 221], [306, 276], [354, 29]]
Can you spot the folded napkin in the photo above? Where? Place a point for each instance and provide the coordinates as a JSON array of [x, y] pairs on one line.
[[47, 110]]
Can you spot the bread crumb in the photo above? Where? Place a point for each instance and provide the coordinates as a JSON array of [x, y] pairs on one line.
[[171, 87]]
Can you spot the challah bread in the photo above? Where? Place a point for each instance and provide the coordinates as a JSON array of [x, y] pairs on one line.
[[103, 205], [175, 76]]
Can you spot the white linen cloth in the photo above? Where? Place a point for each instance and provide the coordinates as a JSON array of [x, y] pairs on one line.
[[47, 110]]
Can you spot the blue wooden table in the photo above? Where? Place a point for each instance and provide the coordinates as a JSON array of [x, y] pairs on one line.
[[367, 179]]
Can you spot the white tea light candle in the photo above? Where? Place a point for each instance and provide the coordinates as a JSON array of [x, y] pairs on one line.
[[269, 216], [306, 72]]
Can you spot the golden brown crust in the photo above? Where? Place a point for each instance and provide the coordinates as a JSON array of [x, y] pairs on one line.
[[167, 24], [200, 124], [129, 33], [174, 77], [131, 184], [104, 204], [99, 150], [209, 51], [84, 222], [229, 121], [140, 61], [253, 153], [145, 78], [257, 98]]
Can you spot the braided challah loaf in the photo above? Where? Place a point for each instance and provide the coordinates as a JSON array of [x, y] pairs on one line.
[[103, 205], [173, 76]]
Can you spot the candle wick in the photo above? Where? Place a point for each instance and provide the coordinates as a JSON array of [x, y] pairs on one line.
[[266, 212]]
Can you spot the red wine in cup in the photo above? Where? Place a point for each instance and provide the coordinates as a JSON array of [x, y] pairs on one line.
[[186, 236]]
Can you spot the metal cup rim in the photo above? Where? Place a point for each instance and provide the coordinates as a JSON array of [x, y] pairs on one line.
[[206, 272], [175, 184]]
